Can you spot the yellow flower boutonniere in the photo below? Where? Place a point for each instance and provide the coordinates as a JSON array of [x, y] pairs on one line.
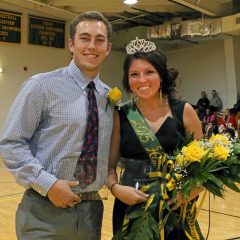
[[114, 96]]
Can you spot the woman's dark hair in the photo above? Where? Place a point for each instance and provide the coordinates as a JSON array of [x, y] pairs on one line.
[[158, 59], [231, 132]]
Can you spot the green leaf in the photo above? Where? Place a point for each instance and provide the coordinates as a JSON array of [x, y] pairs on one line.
[[148, 230], [230, 183], [136, 214], [210, 176], [154, 225], [214, 189], [141, 228], [236, 148], [137, 224], [234, 170], [211, 164], [218, 169], [118, 236], [233, 159]]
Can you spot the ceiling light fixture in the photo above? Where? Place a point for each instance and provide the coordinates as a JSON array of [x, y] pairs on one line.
[[130, 2]]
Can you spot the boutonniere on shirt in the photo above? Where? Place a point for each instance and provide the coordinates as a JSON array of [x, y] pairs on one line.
[[114, 96]]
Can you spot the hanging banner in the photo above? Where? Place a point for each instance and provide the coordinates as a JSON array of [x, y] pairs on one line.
[[10, 27], [46, 32]]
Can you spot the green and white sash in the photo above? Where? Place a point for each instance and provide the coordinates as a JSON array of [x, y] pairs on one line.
[[146, 136]]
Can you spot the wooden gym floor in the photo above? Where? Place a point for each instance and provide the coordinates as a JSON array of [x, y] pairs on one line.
[[224, 217]]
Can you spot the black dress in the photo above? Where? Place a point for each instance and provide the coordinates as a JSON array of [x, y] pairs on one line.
[[170, 135]]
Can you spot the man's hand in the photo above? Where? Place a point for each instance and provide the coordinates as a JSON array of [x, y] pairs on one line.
[[61, 195]]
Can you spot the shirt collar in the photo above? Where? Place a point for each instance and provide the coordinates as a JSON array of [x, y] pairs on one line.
[[82, 79]]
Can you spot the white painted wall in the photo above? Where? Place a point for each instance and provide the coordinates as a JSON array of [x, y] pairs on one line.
[[14, 57], [237, 62], [112, 70], [201, 67]]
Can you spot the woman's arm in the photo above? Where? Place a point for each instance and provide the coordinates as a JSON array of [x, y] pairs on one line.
[[191, 121], [192, 124], [114, 152], [126, 194]]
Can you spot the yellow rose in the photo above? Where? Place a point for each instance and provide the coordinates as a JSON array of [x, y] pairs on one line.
[[219, 138], [220, 152], [193, 152], [180, 160], [114, 95]]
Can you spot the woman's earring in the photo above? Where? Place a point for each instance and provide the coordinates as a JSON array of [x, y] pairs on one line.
[[160, 96], [132, 96]]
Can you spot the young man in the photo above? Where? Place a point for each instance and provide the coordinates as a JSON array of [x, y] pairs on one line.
[[45, 137]]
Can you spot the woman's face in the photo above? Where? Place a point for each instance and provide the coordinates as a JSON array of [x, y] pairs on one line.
[[227, 112], [144, 80]]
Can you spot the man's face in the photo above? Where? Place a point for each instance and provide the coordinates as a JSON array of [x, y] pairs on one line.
[[90, 46]]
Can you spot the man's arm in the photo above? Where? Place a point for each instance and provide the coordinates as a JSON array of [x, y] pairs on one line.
[[23, 120]]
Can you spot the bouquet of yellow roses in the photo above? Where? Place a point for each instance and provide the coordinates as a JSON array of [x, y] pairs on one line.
[[212, 164]]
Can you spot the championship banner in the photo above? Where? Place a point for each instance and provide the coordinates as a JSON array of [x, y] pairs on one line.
[[46, 32], [10, 27]]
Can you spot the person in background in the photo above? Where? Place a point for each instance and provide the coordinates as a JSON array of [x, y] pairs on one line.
[[231, 133], [227, 121], [202, 105], [210, 130], [236, 107], [44, 140], [209, 121], [216, 102], [146, 76]]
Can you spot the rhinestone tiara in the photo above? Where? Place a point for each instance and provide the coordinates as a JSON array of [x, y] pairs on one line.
[[140, 45]]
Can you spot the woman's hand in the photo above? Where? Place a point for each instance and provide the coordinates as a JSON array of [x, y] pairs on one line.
[[181, 201], [129, 195], [176, 203]]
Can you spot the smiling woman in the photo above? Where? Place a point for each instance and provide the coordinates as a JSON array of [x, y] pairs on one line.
[[154, 123]]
